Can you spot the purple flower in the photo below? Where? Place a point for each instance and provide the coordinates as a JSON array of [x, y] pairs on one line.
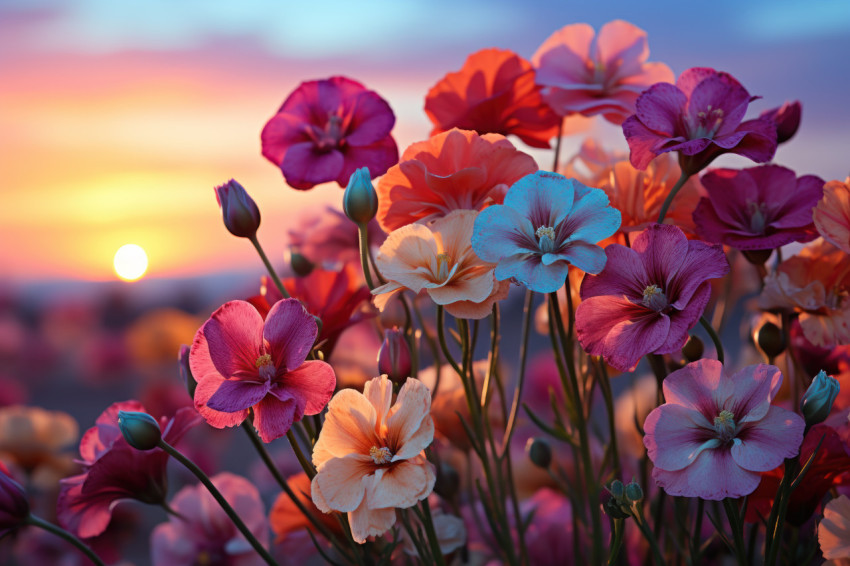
[[327, 129], [716, 434], [547, 223], [700, 117], [14, 505], [787, 119], [648, 296], [239, 211], [761, 208]]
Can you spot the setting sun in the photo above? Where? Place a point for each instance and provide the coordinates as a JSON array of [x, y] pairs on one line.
[[130, 262]]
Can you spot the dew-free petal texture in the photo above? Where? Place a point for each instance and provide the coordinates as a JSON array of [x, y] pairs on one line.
[[714, 476], [766, 443], [290, 331]]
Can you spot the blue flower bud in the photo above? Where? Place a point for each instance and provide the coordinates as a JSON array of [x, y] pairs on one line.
[[140, 430], [360, 201], [819, 397]]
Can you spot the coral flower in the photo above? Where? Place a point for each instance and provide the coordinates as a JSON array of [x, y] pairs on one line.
[[597, 75], [370, 455], [242, 362], [494, 92], [439, 260], [648, 296], [700, 117], [327, 129], [832, 214], [716, 434], [547, 223], [454, 170], [834, 529], [815, 284], [204, 534], [761, 208], [114, 471]]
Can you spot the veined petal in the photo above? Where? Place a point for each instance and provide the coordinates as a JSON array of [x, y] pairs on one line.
[[290, 331], [233, 334], [341, 481], [765, 444], [676, 435], [235, 395]]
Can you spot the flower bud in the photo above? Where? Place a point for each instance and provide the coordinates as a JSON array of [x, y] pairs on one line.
[[360, 201], [612, 505], [14, 505], [393, 314], [617, 489], [634, 493], [693, 349], [301, 266], [394, 356], [185, 371], [770, 340], [539, 452], [140, 430], [819, 397], [240, 212], [787, 119]]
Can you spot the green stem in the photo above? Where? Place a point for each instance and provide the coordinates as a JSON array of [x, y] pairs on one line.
[[62, 533], [605, 386], [363, 238], [523, 354], [737, 530], [433, 541], [776, 523], [306, 465], [714, 338], [647, 533], [558, 145], [202, 477], [618, 526], [669, 200], [278, 283]]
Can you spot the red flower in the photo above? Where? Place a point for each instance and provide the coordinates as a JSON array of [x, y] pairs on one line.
[[115, 471], [494, 92], [327, 129]]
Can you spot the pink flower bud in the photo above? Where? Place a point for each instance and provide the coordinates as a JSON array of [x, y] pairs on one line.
[[14, 505], [394, 356], [787, 119], [240, 212]]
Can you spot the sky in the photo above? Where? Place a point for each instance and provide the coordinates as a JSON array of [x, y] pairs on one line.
[[119, 118]]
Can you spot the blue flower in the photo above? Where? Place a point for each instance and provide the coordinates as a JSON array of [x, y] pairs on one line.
[[546, 223]]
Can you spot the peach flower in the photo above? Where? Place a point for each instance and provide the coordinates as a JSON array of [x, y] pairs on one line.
[[832, 214], [834, 529], [592, 165], [816, 284], [437, 258], [458, 169], [370, 455]]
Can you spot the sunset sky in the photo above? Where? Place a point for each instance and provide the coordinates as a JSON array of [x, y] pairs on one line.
[[118, 118]]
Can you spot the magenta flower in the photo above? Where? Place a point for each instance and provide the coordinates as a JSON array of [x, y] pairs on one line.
[[327, 129], [716, 434], [204, 534], [761, 208], [14, 505], [648, 296], [114, 471], [700, 117], [787, 119], [242, 362]]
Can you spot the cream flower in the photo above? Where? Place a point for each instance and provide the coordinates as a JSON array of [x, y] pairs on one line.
[[834, 529]]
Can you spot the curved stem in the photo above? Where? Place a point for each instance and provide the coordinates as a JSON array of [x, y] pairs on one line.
[[306, 465], [269, 267], [523, 354], [714, 338], [616, 540], [62, 533], [363, 239], [669, 200], [234, 516]]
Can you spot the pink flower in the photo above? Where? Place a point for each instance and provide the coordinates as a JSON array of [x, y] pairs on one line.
[[370, 455], [716, 434], [700, 117], [602, 75], [327, 129], [834, 529], [761, 208], [328, 238], [787, 119], [204, 534], [14, 505], [832, 214], [114, 471], [242, 362], [648, 296]]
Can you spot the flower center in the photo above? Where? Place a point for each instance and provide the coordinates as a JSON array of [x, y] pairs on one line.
[[654, 298], [724, 426], [443, 262], [707, 122], [265, 364], [330, 137], [546, 239], [380, 455], [757, 212]]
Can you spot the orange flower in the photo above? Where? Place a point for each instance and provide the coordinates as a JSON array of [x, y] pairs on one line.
[[454, 170], [816, 284], [494, 92], [36, 441], [437, 258], [286, 518], [370, 455], [832, 214]]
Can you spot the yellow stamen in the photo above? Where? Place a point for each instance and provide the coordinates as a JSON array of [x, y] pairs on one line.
[[380, 455]]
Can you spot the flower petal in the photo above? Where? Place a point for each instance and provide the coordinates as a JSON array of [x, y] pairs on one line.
[[755, 388], [412, 406], [290, 331], [402, 485], [235, 395], [630, 340], [273, 417], [349, 427], [313, 383], [342, 481], [233, 335], [676, 435], [765, 444], [714, 476]]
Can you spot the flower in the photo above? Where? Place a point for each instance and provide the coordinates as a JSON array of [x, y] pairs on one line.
[[700, 117], [819, 397], [648, 296], [360, 201], [140, 430], [547, 223], [242, 362], [787, 119], [239, 211], [328, 128], [204, 534], [835, 361], [113, 471], [715, 434], [329, 238], [370, 455], [832, 214], [454, 170], [437, 258], [36, 442], [286, 518], [760, 208], [592, 165], [815, 284], [394, 356], [834, 529], [597, 75], [494, 92], [14, 505]]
